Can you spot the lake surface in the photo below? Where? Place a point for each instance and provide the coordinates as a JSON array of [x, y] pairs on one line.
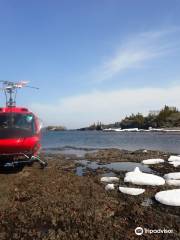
[[89, 140]]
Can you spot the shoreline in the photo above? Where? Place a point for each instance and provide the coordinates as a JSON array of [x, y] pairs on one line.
[[56, 203], [120, 130], [75, 150]]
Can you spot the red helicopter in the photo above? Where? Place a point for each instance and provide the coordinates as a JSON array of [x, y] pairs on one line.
[[20, 130]]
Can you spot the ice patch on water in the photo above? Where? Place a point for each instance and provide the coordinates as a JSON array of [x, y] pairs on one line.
[[153, 161], [140, 178]]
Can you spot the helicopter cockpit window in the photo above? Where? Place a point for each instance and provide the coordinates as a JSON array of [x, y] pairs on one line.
[[23, 121], [3, 121], [17, 125]]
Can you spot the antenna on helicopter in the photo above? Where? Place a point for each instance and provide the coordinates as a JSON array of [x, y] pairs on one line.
[[10, 90]]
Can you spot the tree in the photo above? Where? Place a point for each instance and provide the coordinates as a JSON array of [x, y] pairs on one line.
[[164, 114]]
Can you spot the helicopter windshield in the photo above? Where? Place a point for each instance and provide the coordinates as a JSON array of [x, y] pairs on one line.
[[16, 125]]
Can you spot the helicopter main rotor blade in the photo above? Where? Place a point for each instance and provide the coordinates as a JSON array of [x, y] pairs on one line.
[[23, 83], [6, 82], [32, 87], [20, 84]]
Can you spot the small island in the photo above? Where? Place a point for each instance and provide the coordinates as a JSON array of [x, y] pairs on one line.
[[56, 128], [166, 119]]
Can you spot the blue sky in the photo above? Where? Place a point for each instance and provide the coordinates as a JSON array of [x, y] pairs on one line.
[[93, 60]]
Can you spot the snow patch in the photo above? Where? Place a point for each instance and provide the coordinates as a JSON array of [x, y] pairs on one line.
[[109, 186], [131, 191], [173, 182], [175, 163], [109, 179], [173, 175], [174, 158], [153, 161], [169, 197], [140, 178], [137, 170]]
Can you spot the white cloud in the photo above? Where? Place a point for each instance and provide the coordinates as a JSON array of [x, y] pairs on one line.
[[135, 51], [109, 106]]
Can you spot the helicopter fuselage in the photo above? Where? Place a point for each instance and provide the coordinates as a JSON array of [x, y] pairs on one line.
[[19, 132]]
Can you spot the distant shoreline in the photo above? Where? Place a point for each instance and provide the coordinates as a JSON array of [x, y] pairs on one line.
[[133, 130], [164, 130], [144, 130]]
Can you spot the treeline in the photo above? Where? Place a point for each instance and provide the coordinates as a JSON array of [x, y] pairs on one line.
[[95, 126], [168, 117]]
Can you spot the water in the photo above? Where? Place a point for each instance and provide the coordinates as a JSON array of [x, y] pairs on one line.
[[69, 151], [114, 166], [89, 140]]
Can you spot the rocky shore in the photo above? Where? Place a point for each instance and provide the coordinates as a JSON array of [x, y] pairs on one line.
[[59, 203]]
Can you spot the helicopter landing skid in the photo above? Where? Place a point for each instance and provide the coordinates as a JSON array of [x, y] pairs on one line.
[[42, 163], [29, 160]]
